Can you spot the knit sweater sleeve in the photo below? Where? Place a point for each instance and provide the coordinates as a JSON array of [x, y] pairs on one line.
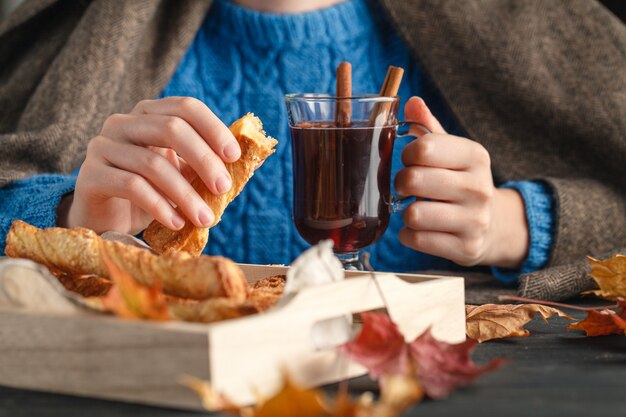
[[33, 200], [539, 207]]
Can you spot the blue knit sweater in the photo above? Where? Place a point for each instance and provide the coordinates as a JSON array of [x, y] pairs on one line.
[[245, 61]]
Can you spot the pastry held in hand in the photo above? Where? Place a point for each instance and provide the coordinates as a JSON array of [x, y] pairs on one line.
[[77, 251], [255, 148]]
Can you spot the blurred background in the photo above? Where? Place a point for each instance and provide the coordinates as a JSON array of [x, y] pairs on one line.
[[616, 6], [6, 6]]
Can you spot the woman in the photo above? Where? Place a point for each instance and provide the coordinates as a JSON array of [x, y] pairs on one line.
[[518, 93]]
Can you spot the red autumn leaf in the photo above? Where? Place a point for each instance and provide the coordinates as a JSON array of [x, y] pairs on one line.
[[441, 366], [438, 366], [380, 347], [604, 322]]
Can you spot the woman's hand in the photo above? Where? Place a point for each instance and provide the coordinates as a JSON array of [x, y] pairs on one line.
[[140, 166], [465, 219]]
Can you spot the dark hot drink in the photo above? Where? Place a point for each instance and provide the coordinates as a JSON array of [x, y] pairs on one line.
[[342, 182]]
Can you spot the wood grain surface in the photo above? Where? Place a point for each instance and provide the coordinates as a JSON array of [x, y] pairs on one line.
[[552, 373]]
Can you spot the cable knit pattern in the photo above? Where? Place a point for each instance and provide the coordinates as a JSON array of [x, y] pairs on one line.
[[243, 61], [33, 200], [539, 207]]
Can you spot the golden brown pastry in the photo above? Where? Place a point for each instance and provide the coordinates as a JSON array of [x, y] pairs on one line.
[[77, 251], [263, 294], [255, 147], [85, 285], [211, 310], [266, 292]]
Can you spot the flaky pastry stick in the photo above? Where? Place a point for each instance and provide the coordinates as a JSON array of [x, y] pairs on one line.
[[77, 251], [255, 147], [263, 295]]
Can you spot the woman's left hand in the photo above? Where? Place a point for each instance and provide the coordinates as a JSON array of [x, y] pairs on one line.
[[459, 214]]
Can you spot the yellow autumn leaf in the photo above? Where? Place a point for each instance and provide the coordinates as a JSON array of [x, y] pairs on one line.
[[498, 321], [610, 275], [398, 393]]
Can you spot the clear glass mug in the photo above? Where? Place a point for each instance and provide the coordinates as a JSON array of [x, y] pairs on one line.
[[342, 171]]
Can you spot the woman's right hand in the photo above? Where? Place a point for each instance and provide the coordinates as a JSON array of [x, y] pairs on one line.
[[140, 166]]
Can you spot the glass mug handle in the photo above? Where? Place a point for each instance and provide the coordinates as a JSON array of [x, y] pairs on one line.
[[402, 131]]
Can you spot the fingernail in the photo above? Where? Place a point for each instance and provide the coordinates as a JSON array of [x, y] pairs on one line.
[[178, 221], [206, 217], [232, 151], [223, 184]]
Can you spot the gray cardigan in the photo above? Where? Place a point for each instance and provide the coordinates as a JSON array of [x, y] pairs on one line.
[[541, 84]]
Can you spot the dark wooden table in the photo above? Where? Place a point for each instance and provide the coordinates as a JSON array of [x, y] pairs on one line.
[[554, 372]]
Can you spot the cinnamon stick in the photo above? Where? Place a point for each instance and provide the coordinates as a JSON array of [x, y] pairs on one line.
[[390, 88], [344, 91], [391, 85]]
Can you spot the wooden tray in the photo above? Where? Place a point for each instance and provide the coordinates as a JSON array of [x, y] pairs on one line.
[[142, 362]]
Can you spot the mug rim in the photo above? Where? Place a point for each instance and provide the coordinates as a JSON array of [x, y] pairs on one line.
[[320, 97]]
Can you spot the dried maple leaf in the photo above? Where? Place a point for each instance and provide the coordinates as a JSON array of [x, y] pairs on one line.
[[400, 392], [293, 400], [129, 299], [604, 322], [610, 275], [441, 366], [380, 346], [438, 366], [497, 321]]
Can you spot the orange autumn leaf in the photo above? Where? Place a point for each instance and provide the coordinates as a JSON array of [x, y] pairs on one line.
[[398, 393], [604, 322], [293, 400], [129, 299], [610, 275], [498, 321]]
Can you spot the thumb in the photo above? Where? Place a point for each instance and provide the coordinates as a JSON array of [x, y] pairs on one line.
[[416, 110]]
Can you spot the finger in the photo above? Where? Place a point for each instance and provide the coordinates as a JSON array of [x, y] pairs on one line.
[[463, 251], [169, 154], [201, 118], [186, 170], [175, 133], [179, 163], [163, 176], [436, 216], [440, 184], [446, 151], [444, 245], [137, 190], [416, 110]]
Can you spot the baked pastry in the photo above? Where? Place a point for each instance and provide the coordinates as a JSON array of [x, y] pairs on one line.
[[263, 295], [85, 285], [77, 251], [255, 148], [266, 292]]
